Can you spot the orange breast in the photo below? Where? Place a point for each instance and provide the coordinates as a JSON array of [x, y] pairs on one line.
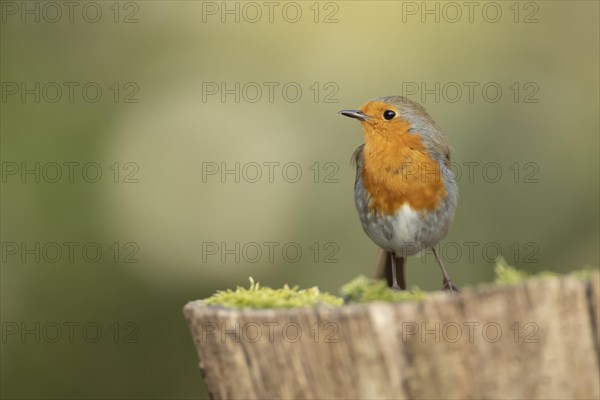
[[397, 170]]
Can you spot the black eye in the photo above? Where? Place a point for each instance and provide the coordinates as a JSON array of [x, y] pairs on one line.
[[388, 114]]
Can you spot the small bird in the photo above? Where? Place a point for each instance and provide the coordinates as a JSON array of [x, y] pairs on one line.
[[405, 192]]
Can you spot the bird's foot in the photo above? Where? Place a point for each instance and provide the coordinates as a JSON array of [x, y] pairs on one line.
[[397, 288], [448, 286]]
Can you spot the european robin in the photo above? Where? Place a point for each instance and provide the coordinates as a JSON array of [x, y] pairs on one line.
[[405, 192]]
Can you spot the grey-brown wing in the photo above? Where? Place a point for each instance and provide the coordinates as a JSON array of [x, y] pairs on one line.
[[357, 161]]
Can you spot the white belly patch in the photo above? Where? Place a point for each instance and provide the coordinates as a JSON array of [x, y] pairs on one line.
[[397, 232]]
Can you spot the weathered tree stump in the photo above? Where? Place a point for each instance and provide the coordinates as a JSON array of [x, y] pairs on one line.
[[537, 340]]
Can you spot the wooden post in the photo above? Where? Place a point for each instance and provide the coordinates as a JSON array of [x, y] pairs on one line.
[[537, 340]]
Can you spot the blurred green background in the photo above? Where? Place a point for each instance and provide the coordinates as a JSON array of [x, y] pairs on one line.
[[542, 212]]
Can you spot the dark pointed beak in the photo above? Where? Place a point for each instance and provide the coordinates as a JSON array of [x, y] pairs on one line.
[[359, 115]]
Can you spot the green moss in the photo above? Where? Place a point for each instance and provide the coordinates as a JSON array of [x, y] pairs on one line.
[[364, 290], [359, 290], [264, 297], [586, 273], [507, 275]]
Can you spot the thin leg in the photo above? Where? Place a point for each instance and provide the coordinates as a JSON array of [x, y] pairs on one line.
[[402, 273], [394, 280], [447, 282], [398, 279]]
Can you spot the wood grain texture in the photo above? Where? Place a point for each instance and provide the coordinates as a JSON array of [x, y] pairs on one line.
[[538, 340]]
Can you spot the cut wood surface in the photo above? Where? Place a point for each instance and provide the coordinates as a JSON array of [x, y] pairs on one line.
[[536, 340]]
